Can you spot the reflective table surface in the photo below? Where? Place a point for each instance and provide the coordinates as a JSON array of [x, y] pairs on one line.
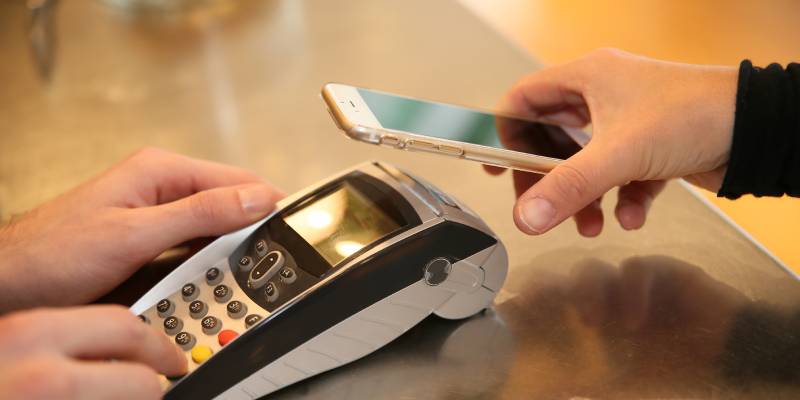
[[687, 307]]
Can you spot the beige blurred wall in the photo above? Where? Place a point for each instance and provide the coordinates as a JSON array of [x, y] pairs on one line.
[[707, 32]]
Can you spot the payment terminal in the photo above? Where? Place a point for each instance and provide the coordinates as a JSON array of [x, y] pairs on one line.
[[337, 271]]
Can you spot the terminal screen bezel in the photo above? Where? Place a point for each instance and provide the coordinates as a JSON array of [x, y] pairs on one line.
[[383, 196]]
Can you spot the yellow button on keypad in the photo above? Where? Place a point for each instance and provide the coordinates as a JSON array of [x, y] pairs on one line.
[[201, 353]]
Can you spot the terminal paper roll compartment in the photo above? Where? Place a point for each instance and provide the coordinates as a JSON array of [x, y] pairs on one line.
[[337, 271]]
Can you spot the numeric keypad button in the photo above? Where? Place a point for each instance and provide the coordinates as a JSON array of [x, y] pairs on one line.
[[144, 319], [165, 308], [201, 353], [288, 275], [236, 309], [211, 325], [185, 340], [213, 276], [251, 320], [246, 263], [226, 337], [261, 247], [172, 325], [197, 309], [222, 293], [266, 269], [190, 292], [271, 292]]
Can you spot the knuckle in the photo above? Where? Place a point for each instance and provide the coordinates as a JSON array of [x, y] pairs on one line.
[[147, 152], [12, 325], [145, 156], [204, 206], [18, 328], [130, 328], [605, 60], [634, 158], [43, 378], [606, 53], [140, 160], [572, 183], [117, 309]]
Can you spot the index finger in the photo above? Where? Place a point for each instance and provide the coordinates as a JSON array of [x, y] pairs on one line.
[[161, 177], [546, 91]]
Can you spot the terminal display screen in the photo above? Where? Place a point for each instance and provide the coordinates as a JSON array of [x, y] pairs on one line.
[[341, 223]]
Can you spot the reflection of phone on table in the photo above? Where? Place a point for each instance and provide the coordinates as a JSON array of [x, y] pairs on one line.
[[406, 123]]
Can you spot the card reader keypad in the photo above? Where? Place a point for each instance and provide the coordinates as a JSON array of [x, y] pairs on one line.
[[205, 314], [213, 309]]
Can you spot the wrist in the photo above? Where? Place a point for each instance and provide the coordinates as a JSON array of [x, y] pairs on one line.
[[720, 97]]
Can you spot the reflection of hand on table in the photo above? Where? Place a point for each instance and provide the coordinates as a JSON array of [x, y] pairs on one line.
[[651, 327], [675, 308]]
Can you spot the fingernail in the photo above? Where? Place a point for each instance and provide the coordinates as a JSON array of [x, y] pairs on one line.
[[537, 214], [256, 199]]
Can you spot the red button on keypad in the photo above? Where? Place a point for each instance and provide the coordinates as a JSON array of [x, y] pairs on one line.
[[226, 336]]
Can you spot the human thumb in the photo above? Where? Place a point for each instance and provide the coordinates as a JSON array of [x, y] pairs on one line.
[[569, 187]]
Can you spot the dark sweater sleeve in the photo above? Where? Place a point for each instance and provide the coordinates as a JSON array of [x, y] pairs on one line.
[[765, 153]]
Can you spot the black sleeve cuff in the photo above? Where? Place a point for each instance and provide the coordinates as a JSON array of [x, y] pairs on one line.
[[765, 153]]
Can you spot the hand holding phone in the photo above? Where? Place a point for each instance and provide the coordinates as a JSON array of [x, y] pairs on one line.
[[652, 120], [418, 125]]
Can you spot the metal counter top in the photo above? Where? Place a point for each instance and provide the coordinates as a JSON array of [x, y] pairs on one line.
[[684, 308]]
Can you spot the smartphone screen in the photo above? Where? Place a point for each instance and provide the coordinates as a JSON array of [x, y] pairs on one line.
[[462, 124]]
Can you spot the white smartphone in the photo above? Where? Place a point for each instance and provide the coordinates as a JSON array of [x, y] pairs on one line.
[[419, 125]]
